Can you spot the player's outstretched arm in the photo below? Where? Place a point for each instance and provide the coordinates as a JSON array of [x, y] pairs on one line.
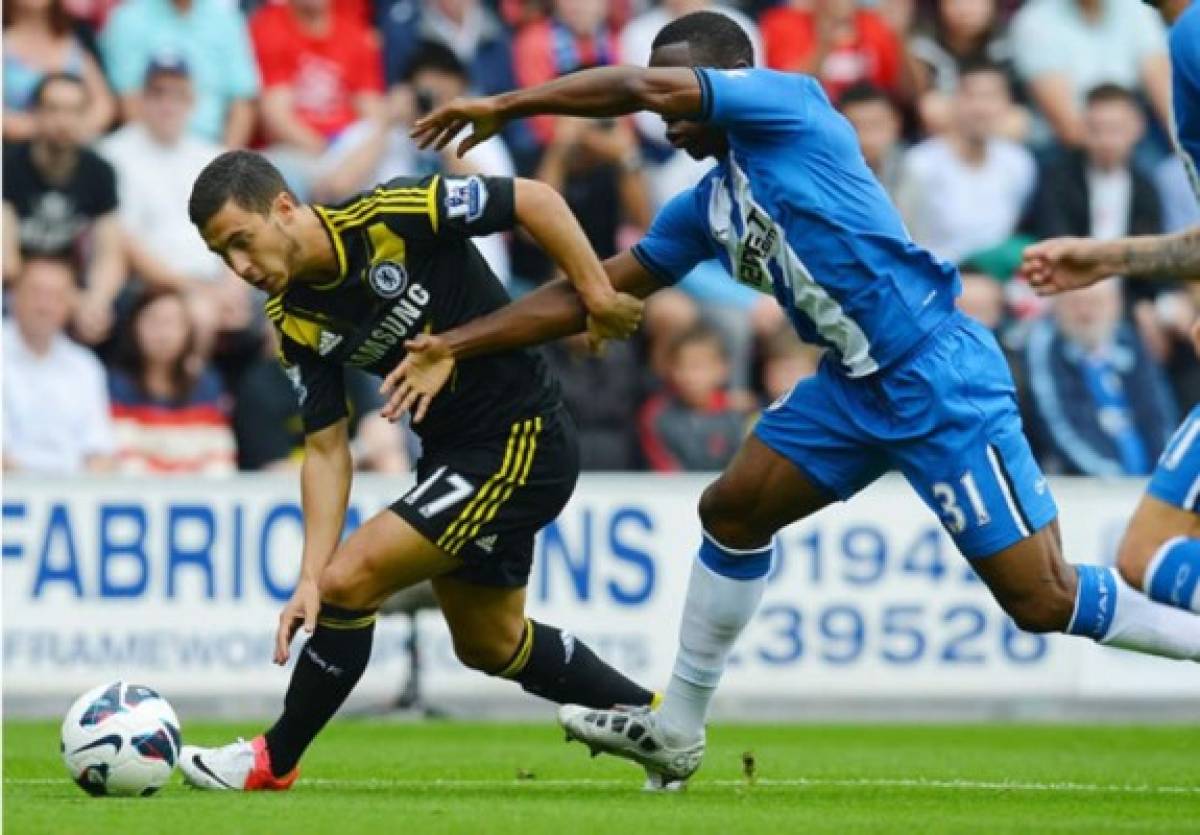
[[551, 312], [1061, 264], [603, 91], [546, 217], [324, 492]]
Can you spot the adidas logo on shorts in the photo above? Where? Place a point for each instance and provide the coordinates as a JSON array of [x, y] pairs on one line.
[[487, 543], [329, 341]]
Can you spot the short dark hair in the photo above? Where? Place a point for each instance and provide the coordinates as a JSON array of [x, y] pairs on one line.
[[716, 40], [435, 56], [864, 92], [1109, 93], [244, 177], [50, 79]]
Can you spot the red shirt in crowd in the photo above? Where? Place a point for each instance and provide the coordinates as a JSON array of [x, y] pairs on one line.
[[873, 53], [325, 71]]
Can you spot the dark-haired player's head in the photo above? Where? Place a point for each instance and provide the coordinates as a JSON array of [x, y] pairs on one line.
[[875, 119], [60, 103], [1113, 126], [247, 214], [701, 39]]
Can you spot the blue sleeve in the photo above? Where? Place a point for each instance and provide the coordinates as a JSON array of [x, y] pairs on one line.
[[1185, 71], [677, 240], [765, 100]]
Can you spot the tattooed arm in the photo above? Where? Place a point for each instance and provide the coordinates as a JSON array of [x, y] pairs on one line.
[[1061, 264]]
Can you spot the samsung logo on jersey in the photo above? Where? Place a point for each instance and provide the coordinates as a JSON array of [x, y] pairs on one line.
[[399, 324]]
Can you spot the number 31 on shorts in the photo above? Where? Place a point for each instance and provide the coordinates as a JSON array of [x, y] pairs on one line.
[[950, 498]]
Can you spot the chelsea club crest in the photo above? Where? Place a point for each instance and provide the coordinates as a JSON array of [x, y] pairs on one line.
[[388, 279]]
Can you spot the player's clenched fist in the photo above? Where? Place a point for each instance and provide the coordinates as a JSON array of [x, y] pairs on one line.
[[613, 316], [437, 129], [1062, 264], [303, 608]]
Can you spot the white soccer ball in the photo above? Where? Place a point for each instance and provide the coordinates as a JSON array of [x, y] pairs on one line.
[[120, 739]]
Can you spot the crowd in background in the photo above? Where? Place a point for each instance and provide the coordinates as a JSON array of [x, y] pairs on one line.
[[129, 347]]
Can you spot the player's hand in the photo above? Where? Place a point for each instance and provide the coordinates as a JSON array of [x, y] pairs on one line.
[[418, 378], [1062, 264], [301, 609], [612, 316], [438, 129]]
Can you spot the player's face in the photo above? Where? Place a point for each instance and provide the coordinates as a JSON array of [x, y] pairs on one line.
[[697, 139], [256, 246]]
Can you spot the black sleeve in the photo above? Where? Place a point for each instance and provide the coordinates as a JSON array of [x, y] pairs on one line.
[[474, 205], [320, 387]]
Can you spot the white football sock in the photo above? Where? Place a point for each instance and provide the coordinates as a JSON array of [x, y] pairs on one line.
[[1144, 625], [715, 612]]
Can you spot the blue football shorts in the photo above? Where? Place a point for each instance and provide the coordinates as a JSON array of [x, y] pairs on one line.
[[945, 415], [1176, 479]]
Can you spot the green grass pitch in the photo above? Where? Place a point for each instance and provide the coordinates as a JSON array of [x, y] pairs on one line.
[[370, 776]]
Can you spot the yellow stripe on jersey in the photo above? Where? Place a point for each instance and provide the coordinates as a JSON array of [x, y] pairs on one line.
[[509, 486], [301, 331], [447, 535], [431, 203], [339, 248], [409, 200], [387, 245]]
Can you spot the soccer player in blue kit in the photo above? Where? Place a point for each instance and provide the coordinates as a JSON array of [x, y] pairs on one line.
[[1161, 549], [906, 382]]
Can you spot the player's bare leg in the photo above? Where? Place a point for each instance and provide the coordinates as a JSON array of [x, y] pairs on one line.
[[492, 634], [383, 555], [759, 493], [1044, 593], [1160, 553]]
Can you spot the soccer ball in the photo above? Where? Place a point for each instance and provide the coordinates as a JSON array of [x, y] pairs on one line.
[[120, 739]]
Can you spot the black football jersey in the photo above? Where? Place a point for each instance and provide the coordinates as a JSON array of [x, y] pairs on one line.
[[406, 264]]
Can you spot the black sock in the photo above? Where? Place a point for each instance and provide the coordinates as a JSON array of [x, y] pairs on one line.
[[557, 666], [330, 664]]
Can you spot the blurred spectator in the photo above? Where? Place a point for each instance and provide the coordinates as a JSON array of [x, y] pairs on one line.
[[597, 166], [270, 434], [1064, 48], [321, 71], [691, 426], [169, 408], [1099, 191], [55, 404], [877, 123], [1099, 405], [603, 394], [964, 32], [156, 161], [574, 37], [378, 149], [966, 191], [63, 197], [39, 39], [982, 299], [787, 361], [211, 36], [835, 40], [467, 27]]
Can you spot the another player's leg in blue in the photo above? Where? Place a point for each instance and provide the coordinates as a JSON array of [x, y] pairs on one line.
[[947, 418], [1160, 553]]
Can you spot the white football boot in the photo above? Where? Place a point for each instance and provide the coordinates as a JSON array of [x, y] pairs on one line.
[[238, 766], [633, 733]]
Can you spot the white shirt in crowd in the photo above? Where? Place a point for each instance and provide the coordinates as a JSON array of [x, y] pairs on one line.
[[1109, 196], [154, 182], [403, 158], [56, 412], [955, 209]]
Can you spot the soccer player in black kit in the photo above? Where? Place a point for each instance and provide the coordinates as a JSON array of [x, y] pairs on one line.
[[348, 285]]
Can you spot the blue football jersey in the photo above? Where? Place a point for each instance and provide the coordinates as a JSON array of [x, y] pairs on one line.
[[1185, 80], [793, 210]]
